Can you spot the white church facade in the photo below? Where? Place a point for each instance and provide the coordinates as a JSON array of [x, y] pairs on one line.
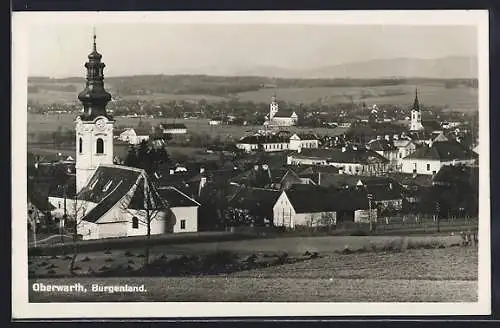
[[277, 118]]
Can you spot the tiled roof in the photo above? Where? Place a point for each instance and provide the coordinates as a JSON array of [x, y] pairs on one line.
[[111, 184], [284, 114], [175, 198], [443, 151], [307, 136], [360, 156], [407, 179]]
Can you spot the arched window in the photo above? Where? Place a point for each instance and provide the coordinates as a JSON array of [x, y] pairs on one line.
[[100, 146], [80, 144], [135, 223]]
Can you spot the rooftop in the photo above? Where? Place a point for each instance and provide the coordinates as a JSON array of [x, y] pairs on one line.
[[360, 156], [175, 198], [443, 151]]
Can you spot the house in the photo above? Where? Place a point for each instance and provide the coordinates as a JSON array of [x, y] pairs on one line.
[[350, 161], [386, 192], [303, 140], [121, 201], [313, 206], [429, 159], [216, 121], [385, 148], [183, 207], [133, 136], [458, 175], [173, 128], [252, 206], [267, 143], [405, 147]]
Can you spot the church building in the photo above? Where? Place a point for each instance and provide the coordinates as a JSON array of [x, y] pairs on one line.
[[280, 118], [111, 200]]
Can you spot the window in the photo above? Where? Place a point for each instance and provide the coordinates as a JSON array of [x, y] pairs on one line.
[[428, 167], [135, 223], [80, 143], [183, 224], [59, 205], [99, 146]]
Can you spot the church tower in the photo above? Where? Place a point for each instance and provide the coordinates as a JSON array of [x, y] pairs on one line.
[[94, 127], [416, 115], [273, 108]]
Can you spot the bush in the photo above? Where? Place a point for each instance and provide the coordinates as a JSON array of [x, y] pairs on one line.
[[85, 259]]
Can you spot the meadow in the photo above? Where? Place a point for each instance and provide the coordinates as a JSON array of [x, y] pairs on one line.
[[432, 269], [459, 98]]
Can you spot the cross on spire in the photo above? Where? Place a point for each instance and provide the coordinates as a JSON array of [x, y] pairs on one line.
[[94, 37]]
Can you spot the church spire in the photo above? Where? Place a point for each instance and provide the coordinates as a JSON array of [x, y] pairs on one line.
[[416, 105], [94, 97]]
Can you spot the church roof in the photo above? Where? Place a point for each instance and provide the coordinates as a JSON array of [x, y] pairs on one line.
[[113, 185], [416, 105], [175, 198]]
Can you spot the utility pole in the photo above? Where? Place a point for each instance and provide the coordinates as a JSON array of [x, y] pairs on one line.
[[370, 196], [437, 215], [61, 221]]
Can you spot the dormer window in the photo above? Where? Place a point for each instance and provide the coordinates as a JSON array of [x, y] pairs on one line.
[[106, 187]]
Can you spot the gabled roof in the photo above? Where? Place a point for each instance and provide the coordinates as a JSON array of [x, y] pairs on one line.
[[175, 198], [401, 143], [284, 114], [321, 169], [113, 184], [443, 151], [253, 198], [360, 156], [314, 199]]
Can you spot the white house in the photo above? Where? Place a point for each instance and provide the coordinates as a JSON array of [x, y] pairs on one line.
[[173, 128], [183, 207], [120, 201], [429, 159], [385, 148], [271, 143], [405, 147], [215, 121], [302, 140], [312, 206], [130, 136]]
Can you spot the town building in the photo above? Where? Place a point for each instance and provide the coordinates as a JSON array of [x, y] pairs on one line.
[[348, 160], [133, 136], [313, 206], [121, 201], [183, 207], [173, 128], [267, 143], [429, 159], [280, 118], [299, 141]]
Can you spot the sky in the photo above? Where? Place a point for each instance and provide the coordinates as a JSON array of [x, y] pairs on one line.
[[161, 48]]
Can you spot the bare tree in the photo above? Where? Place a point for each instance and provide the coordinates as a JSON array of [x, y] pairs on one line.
[[79, 209], [146, 209]]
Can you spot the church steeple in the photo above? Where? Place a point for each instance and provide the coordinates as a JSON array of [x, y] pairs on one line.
[[416, 105], [94, 97]]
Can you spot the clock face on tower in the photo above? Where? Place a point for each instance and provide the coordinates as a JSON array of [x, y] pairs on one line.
[[100, 124]]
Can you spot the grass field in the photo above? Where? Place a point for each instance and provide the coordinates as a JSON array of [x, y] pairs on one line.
[[416, 275], [48, 123], [431, 93]]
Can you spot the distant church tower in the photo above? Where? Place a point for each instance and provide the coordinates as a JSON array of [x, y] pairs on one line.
[[416, 115], [94, 128], [273, 108]]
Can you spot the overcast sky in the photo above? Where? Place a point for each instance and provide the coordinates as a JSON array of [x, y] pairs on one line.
[[127, 49]]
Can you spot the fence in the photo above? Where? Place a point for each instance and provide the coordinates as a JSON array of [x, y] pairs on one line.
[[426, 223]]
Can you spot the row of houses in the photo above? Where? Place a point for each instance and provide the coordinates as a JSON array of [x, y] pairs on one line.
[[135, 136], [276, 142]]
